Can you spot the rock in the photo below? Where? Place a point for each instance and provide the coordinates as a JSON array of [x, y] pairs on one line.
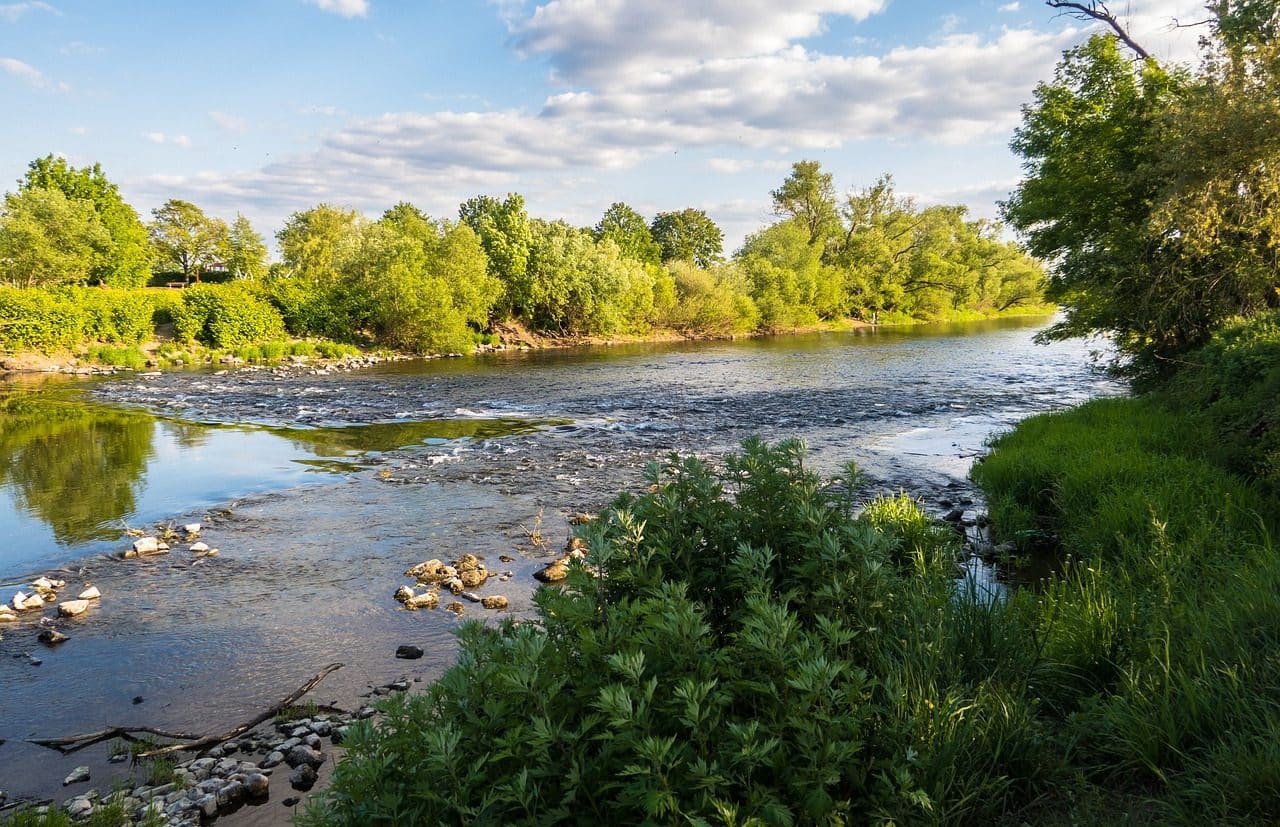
[[404, 594], [79, 807], [304, 755], [44, 584], [71, 608], [506, 558], [192, 528], [312, 740], [303, 777], [146, 546], [495, 601], [969, 517], [77, 775], [581, 518], [288, 745], [51, 637], [198, 548], [323, 728], [407, 652], [454, 584], [208, 805], [426, 572], [471, 578], [90, 593], [953, 516], [230, 794], [472, 596], [23, 602], [467, 562], [555, 571], [426, 600], [256, 785], [273, 758], [300, 731], [7, 615], [455, 607]]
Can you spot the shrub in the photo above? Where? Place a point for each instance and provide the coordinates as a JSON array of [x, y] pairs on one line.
[[114, 315], [755, 658], [124, 357], [35, 319], [226, 316]]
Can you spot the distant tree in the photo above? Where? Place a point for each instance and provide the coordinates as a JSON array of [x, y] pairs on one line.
[[809, 196], [127, 260], [314, 242], [627, 228], [244, 251], [183, 236], [47, 239], [505, 233], [688, 235]]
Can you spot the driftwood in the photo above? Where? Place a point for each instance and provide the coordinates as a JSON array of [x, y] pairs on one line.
[[187, 742]]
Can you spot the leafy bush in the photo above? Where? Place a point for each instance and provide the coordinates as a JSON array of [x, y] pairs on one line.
[[226, 316], [754, 659], [124, 357], [117, 316], [34, 319]]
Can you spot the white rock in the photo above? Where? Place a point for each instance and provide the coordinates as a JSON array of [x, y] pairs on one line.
[[77, 775], [90, 593], [192, 528], [198, 548], [7, 615], [23, 602], [44, 584], [148, 545], [71, 608]]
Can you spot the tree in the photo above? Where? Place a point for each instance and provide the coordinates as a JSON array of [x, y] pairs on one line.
[[688, 235], [505, 233], [47, 239], [627, 228], [808, 195], [314, 242], [127, 260], [244, 252], [185, 237]]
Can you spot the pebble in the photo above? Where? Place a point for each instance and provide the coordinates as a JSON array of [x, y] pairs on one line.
[[77, 775]]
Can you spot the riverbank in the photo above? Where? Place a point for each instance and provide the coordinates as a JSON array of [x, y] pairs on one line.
[[92, 359]]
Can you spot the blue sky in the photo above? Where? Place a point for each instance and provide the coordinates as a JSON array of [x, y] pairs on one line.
[[269, 107]]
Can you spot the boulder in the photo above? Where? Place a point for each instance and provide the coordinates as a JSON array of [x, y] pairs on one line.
[[454, 584], [426, 572], [494, 601], [145, 546], [90, 593], [256, 785], [301, 754], [71, 608], [23, 602], [554, 571], [303, 778], [44, 584], [471, 578], [467, 562]]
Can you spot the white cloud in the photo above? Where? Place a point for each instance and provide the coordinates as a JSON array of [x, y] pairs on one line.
[[230, 123], [343, 8], [734, 166], [12, 12], [30, 74], [1009, 8], [173, 140], [79, 130]]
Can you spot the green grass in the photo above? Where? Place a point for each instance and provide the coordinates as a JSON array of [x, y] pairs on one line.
[[118, 356]]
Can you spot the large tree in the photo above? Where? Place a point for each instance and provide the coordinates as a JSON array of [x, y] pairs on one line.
[[127, 260], [47, 239], [688, 235], [313, 243], [506, 235], [244, 251], [627, 228], [186, 238], [809, 196]]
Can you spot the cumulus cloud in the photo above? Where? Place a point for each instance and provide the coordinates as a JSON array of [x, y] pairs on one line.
[[1009, 8], [172, 140], [12, 12], [343, 8]]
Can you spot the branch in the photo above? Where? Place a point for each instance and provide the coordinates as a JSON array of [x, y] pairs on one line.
[[187, 741], [1097, 10]]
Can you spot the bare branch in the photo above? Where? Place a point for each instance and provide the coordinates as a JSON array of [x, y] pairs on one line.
[[1097, 10]]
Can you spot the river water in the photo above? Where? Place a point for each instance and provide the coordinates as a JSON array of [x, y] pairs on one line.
[[320, 490]]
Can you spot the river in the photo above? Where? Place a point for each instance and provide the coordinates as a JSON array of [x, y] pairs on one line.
[[319, 490]]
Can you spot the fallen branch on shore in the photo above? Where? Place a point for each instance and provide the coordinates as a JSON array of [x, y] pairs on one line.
[[187, 742]]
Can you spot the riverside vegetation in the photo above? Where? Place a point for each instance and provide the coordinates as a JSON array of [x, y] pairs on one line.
[[740, 648], [429, 286]]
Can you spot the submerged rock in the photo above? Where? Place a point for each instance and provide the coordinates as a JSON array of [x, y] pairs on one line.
[[23, 602], [51, 637], [404, 594], [426, 600], [495, 601], [455, 607], [145, 546], [407, 652], [90, 593]]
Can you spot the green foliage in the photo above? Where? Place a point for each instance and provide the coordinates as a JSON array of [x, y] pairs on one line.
[[121, 357], [790, 283], [757, 658], [627, 228], [506, 236], [1154, 190], [38, 320], [243, 250], [313, 242], [115, 315], [688, 235], [226, 315], [808, 196], [127, 260], [716, 301], [47, 239], [185, 238]]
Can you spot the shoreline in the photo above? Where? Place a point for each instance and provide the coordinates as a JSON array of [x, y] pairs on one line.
[[514, 336]]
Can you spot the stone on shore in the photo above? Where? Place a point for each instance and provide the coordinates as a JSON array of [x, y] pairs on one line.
[[303, 778], [256, 785], [494, 601], [404, 594], [198, 548], [71, 608], [426, 600], [90, 593], [304, 755], [192, 528], [23, 602], [77, 775], [146, 546]]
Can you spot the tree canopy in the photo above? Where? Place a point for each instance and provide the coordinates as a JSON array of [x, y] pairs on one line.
[[186, 238], [48, 239], [688, 235]]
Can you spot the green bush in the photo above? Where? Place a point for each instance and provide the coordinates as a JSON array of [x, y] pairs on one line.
[[123, 357], [758, 658], [226, 316], [165, 304], [36, 319], [114, 315], [302, 349], [336, 350]]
